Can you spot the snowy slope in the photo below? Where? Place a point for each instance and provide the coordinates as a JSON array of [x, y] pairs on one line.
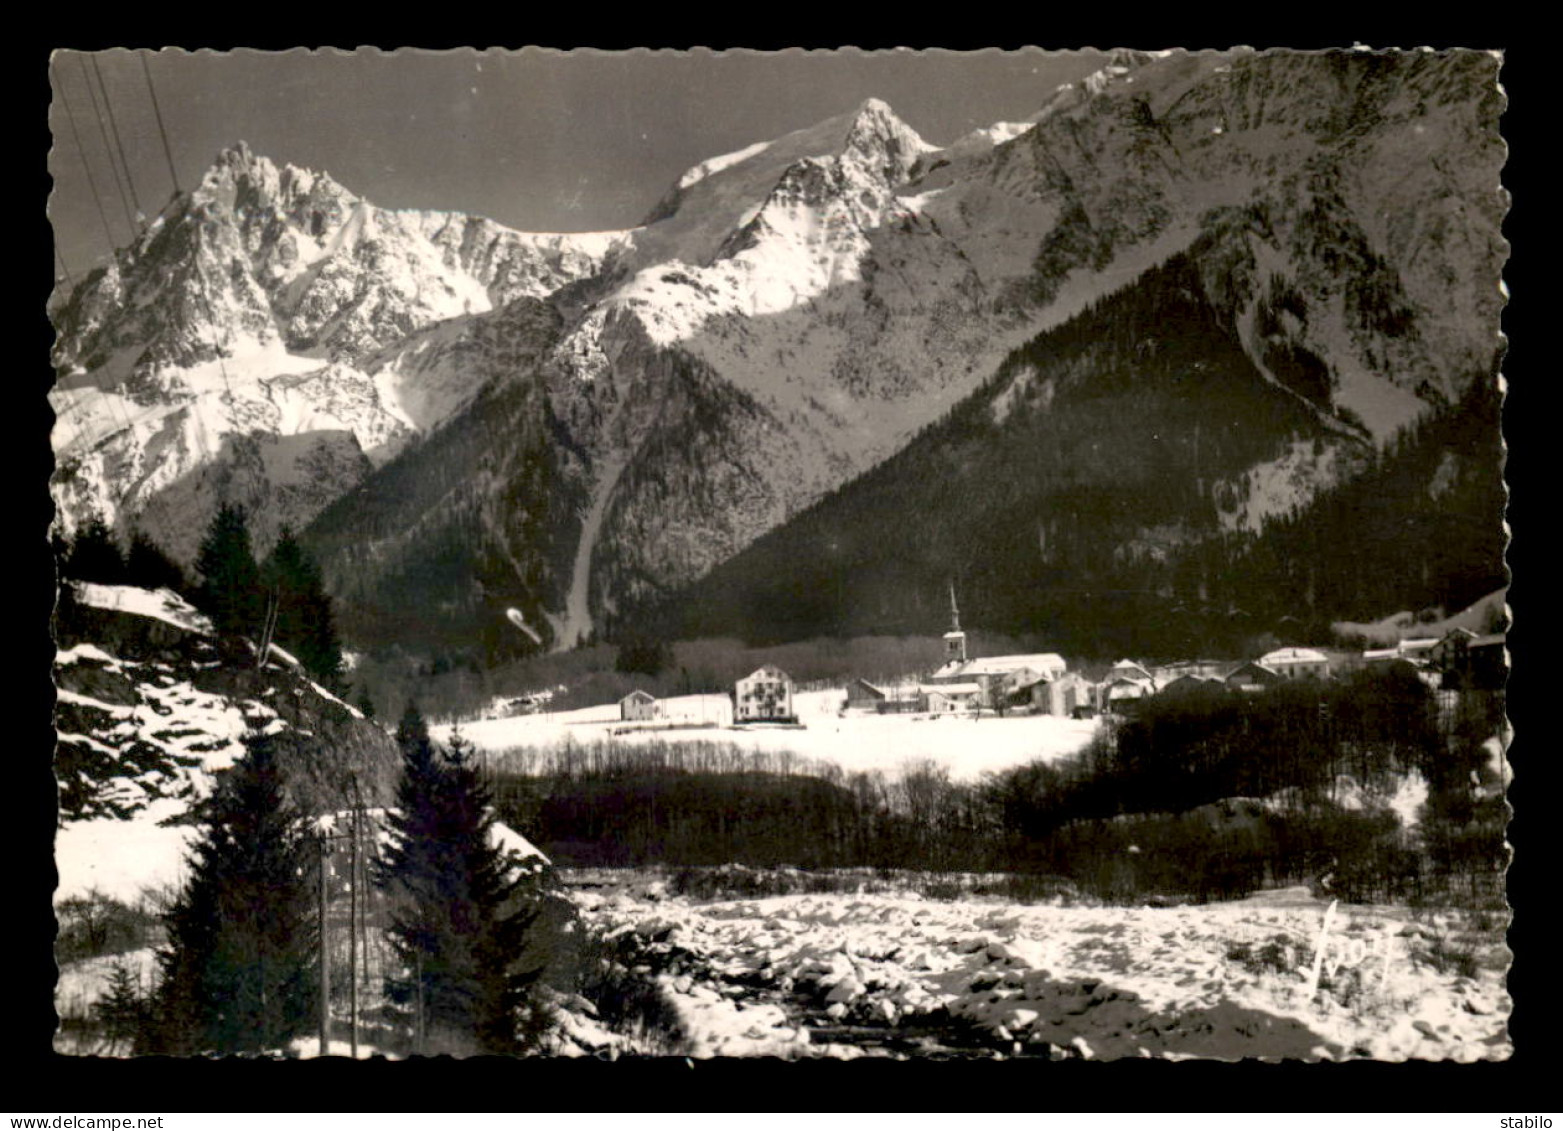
[[148, 715]]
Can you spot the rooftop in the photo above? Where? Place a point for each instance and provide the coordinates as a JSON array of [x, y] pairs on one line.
[[1294, 656]]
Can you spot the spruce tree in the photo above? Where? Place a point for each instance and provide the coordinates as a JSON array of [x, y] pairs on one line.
[[462, 914], [305, 624], [95, 556], [123, 1013], [230, 589], [148, 566], [239, 972]]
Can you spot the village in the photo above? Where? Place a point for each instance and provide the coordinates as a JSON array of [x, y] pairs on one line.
[[1042, 684]]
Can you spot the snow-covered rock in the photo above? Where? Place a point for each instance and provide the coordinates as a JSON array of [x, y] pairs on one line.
[[1079, 982]]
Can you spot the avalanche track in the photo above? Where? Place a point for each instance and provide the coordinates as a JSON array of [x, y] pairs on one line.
[[576, 623]]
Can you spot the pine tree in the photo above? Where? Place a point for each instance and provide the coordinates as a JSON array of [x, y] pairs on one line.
[[239, 971], [95, 556], [305, 623], [230, 590], [462, 913]]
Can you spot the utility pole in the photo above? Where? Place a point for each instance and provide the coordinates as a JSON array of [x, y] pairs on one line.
[[352, 938], [325, 949], [363, 876]]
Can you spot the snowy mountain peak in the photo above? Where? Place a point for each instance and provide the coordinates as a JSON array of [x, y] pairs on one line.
[[882, 140], [245, 331], [238, 175], [238, 155]]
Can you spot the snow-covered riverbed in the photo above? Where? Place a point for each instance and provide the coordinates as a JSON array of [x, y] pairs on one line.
[[838, 975]]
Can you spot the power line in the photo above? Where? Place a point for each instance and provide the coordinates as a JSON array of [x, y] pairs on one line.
[[117, 412], [81, 152], [107, 148], [118, 144], [167, 153], [78, 405]]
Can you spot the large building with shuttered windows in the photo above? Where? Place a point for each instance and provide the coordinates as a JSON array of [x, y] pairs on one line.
[[764, 696]]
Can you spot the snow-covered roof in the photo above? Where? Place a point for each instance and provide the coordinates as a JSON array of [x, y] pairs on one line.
[[639, 696], [769, 671], [1037, 662], [1254, 666], [1295, 656], [1042, 663]]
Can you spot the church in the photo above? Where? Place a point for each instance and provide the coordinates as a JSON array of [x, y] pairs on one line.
[[999, 677]]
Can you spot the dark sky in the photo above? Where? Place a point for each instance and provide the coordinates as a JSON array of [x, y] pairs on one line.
[[539, 140]]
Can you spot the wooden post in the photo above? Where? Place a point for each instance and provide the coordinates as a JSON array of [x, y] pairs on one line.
[[325, 952]]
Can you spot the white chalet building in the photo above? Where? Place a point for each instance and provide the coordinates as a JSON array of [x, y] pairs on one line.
[[764, 695], [638, 705]]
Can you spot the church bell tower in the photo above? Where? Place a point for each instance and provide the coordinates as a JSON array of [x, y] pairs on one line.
[[955, 639]]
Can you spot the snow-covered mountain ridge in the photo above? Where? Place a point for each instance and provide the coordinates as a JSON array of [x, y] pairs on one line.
[[273, 331], [789, 315]]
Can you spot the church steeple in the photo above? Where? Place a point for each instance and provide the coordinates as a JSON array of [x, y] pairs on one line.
[[955, 639]]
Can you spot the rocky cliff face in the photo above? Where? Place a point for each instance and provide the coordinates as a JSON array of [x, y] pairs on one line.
[[149, 711], [787, 317], [269, 339]]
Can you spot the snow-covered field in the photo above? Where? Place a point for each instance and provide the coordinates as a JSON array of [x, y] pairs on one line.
[[898, 974], [123, 859], [964, 745]]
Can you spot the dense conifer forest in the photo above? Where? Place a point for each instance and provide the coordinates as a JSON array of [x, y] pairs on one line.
[[1081, 496]]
